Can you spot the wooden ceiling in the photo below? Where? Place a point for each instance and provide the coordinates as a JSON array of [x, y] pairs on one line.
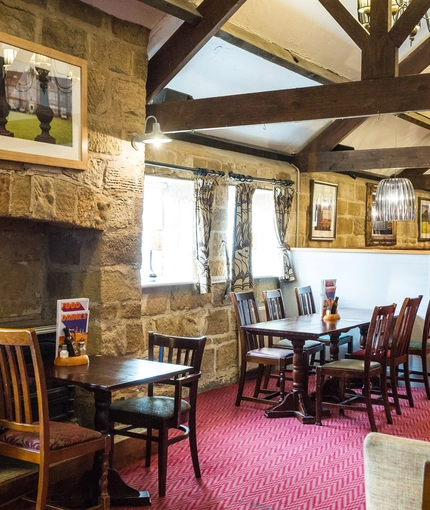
[[387, 86]]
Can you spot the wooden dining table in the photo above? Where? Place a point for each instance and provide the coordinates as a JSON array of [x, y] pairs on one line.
[[103, 375], [297, 402]]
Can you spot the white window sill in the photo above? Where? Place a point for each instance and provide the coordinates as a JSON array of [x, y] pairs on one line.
[[164, 283]]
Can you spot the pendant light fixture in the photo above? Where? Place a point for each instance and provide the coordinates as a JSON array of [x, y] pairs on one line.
[[395, 200]]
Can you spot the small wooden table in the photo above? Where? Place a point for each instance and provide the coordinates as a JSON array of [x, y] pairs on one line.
[[103, 375], [299, 329]]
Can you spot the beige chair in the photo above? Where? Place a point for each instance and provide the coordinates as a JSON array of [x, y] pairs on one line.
[[30, 436], [396, 473]]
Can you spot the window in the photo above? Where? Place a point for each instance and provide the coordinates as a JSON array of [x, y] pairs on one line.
[[266, 258], [168, 247]]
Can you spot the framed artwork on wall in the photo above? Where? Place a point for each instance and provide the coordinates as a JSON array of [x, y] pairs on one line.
[[378, 233], [423, 219], [323, 211], [43, 105]]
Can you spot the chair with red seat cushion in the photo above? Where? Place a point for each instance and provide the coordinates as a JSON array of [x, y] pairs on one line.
[[373, 365], [257, 349], [34, 438]]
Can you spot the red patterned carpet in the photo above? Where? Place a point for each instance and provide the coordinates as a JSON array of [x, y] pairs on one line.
[[250, 462]]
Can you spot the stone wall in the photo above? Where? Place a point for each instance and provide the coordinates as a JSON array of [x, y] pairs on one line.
[[83, 227]]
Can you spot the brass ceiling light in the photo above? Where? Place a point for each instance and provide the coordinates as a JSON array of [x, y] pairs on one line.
[[398, 7]]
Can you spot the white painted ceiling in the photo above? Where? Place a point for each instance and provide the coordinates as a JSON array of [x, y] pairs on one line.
[[303, 26]]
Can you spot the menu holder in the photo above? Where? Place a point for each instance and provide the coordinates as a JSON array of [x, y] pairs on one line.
[[72, 361]]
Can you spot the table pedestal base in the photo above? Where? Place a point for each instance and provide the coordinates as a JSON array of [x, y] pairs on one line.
[[294, 404], [122, 494]]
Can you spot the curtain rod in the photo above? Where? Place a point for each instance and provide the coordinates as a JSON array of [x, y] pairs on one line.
[[204, 171]]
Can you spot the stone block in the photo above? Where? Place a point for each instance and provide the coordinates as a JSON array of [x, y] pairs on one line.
[[59, 283], [86, 207], [119, 285], [20, 196], [66, 203], [227, 356], [101, 211], [134, 337], [185, 297], [43, 197], [82, 12], [188, 324], [130, 32], [17, 21], [65, 36], [217, 322], [121, 247], [5, 193], [155, 300]]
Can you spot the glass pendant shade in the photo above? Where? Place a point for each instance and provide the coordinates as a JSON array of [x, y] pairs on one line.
[[395, 200]]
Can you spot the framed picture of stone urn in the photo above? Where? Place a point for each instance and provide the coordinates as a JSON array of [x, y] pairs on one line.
[[423, 219], [43, 105]]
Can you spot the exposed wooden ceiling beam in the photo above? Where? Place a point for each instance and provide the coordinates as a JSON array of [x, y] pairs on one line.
[[417, 177], [370, 159], [377, 97], [186, 42], [416, 118], [278, 55], [417, 60], [180, 9]]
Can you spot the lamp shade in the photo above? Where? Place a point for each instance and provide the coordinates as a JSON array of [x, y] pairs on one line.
[[395, 200]]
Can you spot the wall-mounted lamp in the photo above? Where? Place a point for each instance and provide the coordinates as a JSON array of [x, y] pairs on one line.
[[156, 136]]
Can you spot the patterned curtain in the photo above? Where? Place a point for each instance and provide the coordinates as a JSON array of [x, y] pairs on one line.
[[204, 193], [242, 278], [283, 197]]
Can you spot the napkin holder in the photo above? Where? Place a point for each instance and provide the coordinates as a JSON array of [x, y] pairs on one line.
[[72, 361]]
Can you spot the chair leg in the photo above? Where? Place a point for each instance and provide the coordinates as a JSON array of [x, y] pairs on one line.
[[319, 380], [350, 347], [322, 356], [162, 461], [42, 486], [241, 383], [267, 372], [104, 498], [193, 446], [368, 398], [257, 388], [394, 390], [408, 384], [425, 375], [148, 449], [384, 394]]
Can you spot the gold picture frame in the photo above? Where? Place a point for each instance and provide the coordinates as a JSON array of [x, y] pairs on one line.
[[43, 105], [423, 219], [377, 233]]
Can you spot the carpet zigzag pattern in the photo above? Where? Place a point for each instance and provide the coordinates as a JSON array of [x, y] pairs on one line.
[[249, 462]]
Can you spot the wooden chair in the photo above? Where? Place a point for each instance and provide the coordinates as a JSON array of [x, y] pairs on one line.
[[34, 438], [398, 357], [373, 365], [163, 412], [257, 349], [421, 348], [306, 306], [275, 309]]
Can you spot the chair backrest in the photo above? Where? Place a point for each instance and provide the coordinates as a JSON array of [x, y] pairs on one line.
[[274, 304], [305, 300], [426, 328], [179, 350], [378, 334], [18, 371], [246, 311], [403, 329]]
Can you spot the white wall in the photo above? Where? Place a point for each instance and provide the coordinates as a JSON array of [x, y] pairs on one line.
[[365, 278]]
